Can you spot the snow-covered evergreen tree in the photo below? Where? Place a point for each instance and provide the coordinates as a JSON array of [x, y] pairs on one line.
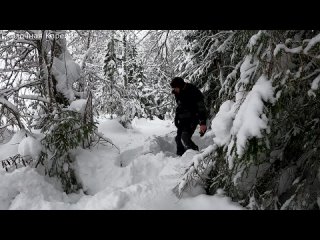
[[268, 100]]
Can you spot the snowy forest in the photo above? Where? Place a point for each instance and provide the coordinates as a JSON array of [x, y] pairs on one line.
[[87, 119]]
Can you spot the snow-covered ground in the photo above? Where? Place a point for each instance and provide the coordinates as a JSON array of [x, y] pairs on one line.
[[141, 176]]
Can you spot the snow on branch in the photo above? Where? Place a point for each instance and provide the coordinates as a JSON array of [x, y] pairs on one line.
[[315, 83], [33, 97], [253, 40], [286, 49], [224, 45], [13, 109], [5, 126], [9, 91], [311, 43], [8, 105], [314, 86], [250, 119]]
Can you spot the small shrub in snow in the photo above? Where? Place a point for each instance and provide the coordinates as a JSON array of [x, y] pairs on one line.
[[64, 132]]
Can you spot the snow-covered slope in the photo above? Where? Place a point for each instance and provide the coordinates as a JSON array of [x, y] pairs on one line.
[[140, 177]]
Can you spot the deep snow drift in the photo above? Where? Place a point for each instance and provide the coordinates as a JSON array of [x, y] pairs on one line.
[[140, 177]]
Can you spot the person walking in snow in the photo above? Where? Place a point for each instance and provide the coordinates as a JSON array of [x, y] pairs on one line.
[[190, 112]]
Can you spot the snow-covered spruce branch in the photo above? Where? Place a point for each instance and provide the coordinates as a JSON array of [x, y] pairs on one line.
[[311, 43], [197, 170], [286, 49], [317, 71]]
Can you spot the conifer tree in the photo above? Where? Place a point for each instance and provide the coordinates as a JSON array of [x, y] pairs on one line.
[[275, 165]]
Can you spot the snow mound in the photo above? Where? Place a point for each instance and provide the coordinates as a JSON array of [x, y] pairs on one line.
[[26, 189], [128, 155], [10, 148], [111, 126], [206, 202], [29, 146], [156, 126], [78, 105], [108, 199]]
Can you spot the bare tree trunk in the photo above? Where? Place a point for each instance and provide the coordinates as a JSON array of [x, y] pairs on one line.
[[124, 59], [89, 39], [112, 74], [83, 64], [45, 74]]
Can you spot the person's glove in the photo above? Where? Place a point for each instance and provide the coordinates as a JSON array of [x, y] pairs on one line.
[[203, 129]]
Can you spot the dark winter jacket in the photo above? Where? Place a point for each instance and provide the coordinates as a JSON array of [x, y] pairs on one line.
[[191, 107]]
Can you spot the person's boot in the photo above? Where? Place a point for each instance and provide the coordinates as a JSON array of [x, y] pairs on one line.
[[195, 148], [186, 138], [180, 153], [180, 147]]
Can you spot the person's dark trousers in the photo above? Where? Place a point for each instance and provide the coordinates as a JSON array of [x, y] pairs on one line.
[[183, 138]]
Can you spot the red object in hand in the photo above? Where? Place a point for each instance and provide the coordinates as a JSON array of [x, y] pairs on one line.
[[203, 129]]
